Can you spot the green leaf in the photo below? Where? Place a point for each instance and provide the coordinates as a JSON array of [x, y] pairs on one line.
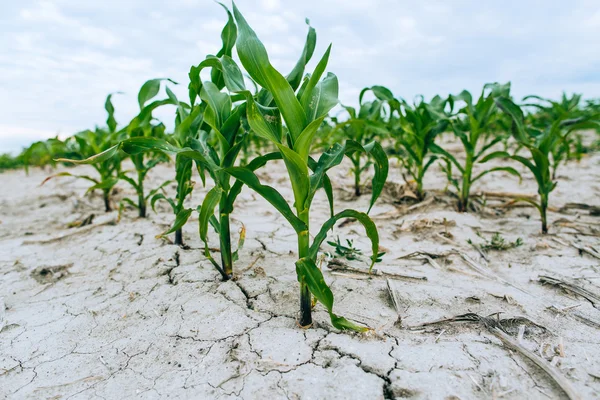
[[161, 196], [88, 178], [188, 126], [381, 92], [329, 159], [255, 60], [149, 90], [106, 184], [488, 146], [307, 90], [253, 165], [180, 220], [248, 177], [322, 98], [447, 156], [510, 170], [160, 187], [145, 115], [234, 80], [139, 145], [207, 210], [463, 96], [430, 162], [98, 158], [218, 103], [305, 140], [381, 165], [495, 154], [532, 167], [295, 77], [228, 37], [298, 172], [129, 180], [264, 121], [515, 112], [228, 34], [122, 203], [111, 122], [308, 273], [363, 218]]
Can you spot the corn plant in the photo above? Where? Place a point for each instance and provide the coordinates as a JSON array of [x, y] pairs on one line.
[[89, 143], [211, 157], [8, 161], [186, 130], [540, 144], [365, 128], [189, 125], [471, 124], [210, 133], [223, 135], [141, 126], [184, 134], [414, 131], [548, 111], [144, 126], [303, 108], [45, 152], [592, 109]]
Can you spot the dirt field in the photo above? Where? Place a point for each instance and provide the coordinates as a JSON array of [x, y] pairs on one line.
[[108, 311]]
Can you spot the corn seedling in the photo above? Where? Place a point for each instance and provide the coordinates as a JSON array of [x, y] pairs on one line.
[[46, 152], [190, 128], [496, 242], [364, 127], [144, 126], [222, 136], [8, 161], [141, 126], [540, 144], [592, 109], [211, 134], [548, 111], [90, 143], [470, 125], [303, 108], [348, 251], [414, 131]]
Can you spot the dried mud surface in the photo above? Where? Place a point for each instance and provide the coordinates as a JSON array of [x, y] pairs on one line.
[[108, 311]]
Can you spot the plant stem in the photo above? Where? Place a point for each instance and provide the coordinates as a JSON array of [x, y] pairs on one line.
[[356, 169], [106, 196], [225, 242], [141, 200], [305, 295], [543, 209], [420, 175], [305, 306], [179, 237], [463, 202]]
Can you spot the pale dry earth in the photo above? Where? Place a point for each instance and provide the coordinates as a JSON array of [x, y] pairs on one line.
[[108, 311]]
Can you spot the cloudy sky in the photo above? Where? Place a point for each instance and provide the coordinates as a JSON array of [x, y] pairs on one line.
[[60, 58]]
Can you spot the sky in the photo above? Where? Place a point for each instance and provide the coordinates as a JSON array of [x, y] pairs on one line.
[[60, 58]]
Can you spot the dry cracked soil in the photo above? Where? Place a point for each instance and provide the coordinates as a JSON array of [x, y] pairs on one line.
[[108, 311]]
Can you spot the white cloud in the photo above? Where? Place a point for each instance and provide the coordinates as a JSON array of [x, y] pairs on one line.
[[270, 5], [8, 131], [63, 57], [48, 12]]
